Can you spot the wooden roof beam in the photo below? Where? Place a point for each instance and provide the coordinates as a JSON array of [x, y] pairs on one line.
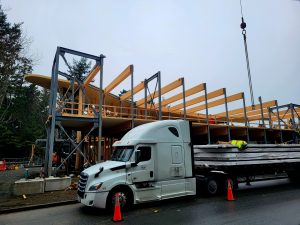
[[91, 75], [136, 89], [189, 92], [215, 103], [194, 101], [249, 113], [163, 90], [248, 108], [282, 113], [127, 72]]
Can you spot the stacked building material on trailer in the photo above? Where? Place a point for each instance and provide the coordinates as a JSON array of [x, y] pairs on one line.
[[255, 154]]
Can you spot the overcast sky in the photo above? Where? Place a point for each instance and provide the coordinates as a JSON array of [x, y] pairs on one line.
[[199, 40]]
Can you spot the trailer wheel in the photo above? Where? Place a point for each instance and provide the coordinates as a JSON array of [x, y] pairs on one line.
[[212, 186], [125, 198]]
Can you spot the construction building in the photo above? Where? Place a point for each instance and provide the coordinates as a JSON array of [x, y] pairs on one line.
[[83, 114]]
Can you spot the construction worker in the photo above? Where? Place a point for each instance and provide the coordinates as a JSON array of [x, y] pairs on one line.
[[211, 120], [240, 144], [55, 159]]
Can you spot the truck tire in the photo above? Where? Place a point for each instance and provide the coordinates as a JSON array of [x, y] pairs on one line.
[[125, 198], [212, 186]]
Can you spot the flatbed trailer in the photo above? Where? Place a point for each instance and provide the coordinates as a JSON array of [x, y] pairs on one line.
[[214, 164]]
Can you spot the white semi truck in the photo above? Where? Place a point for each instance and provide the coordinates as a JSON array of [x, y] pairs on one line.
[[158, 161]]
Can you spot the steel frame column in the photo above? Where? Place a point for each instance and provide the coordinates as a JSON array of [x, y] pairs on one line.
[[52, 112], [292, 108], [145, 88], [100, 62], [270, 118], [76, 147], [279, 123], [159, 95], [53, 101], [293, 115], [206, 112], [246, 118], [263, 119], [146, 81], [227, 116], [132, 103], [73, 93], [183, 98]]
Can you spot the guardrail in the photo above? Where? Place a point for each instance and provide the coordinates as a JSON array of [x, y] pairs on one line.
[[15, 163]]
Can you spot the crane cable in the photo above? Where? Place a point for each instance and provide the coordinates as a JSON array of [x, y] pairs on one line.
[[243, 27]]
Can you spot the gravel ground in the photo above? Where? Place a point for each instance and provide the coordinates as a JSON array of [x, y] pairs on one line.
[[37, 199], [8, 201]]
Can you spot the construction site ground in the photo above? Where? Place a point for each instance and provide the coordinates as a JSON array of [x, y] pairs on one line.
[[9, 202]]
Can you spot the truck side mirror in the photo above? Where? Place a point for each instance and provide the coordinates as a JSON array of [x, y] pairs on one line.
[[137, 156]]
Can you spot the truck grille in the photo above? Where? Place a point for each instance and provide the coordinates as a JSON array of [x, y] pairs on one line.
[[82, 183]]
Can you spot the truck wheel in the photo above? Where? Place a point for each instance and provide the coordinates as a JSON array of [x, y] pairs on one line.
[[125, 199], [212, 186]]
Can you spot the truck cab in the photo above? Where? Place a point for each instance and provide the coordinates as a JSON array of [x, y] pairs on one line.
[[151, 162]]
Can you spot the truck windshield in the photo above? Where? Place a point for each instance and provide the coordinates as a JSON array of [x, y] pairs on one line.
[[122, 154]]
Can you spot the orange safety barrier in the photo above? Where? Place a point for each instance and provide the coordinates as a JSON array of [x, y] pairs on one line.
[[229, 191], [117, 213], [2, 165]]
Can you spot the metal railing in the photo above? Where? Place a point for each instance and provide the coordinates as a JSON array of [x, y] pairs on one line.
[[91, 110], [12, 163]]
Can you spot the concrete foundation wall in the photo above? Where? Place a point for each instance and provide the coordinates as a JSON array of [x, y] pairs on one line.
[[57, 183], [6, 190], [30, 186]]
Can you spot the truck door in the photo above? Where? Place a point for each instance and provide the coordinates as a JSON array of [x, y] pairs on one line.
[[144, 170]]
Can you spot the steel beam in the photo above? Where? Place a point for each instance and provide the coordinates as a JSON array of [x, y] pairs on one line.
[[246, 118], [82, 54], [206, 114], [159, 95], [76, 147], [132, 101], [52, 105], [263, 119], [279, 124], [183, 97], [100, 62], [227, 116]]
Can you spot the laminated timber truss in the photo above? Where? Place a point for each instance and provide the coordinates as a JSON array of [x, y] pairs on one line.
[[91, 117]]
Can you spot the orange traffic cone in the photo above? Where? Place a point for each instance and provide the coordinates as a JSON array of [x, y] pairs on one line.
[[229, 191], [117, 213]]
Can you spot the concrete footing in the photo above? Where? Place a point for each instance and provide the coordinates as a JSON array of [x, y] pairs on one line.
[[40, 185], [30, 186], [57, 183]]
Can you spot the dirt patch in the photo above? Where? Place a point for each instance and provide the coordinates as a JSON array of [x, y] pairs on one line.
[[37, 199], [8, 201]]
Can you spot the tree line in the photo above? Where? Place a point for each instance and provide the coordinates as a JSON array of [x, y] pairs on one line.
[[23, 106]]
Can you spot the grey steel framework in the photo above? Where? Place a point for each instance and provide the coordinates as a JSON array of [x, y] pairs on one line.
[[156, 89], [54, 115], [56, 119], [294, 118]]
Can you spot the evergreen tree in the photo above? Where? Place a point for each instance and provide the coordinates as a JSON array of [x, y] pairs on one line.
[[22, 106], [80, 68]]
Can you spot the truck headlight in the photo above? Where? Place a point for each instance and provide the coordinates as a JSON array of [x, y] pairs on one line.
[[95, 187]]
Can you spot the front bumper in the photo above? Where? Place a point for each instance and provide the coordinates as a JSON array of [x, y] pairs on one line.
[[96, 199]]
